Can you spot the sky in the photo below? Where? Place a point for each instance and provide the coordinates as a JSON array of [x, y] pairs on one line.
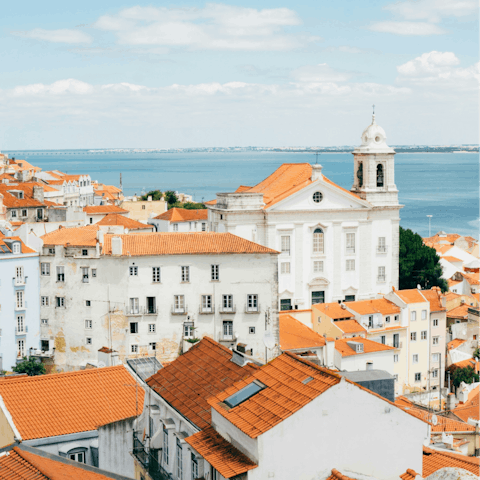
[[121, 74]]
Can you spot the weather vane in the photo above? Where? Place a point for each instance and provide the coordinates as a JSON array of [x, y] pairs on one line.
[[373, 108]]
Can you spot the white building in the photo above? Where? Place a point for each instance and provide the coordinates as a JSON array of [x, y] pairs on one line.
[[19, 302], [154, 293], [335, 244], [181, 220]]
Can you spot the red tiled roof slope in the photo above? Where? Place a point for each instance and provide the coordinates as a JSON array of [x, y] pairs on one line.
[[116, 219], [350, 326], [183, 215], [458, 312], [332, 310], [379, 305], [369, 346], [205, 370], [71, 402], [294, 334], [79, 236], [434, 460], [101, 209]]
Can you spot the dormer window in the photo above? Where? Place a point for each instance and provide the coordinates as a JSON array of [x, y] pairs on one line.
[[16, 247], [20, 195]]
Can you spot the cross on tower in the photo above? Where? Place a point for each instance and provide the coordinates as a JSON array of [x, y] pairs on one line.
[[373, 108]]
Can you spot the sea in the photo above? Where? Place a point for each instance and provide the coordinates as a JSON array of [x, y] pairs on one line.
[[444, 185]]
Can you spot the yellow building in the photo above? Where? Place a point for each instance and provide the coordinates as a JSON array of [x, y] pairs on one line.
[[334, 320], [142, 210]]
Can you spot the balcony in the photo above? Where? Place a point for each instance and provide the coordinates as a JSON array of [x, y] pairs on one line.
[[149, 460], [381, 278], [177, 310], [20, 306], [132, 311], [21, 331], [395, 345], [206, 310], [85, 279], [36, 352], [19, 281], [252, 309], [150, 310], [230, 309], [381, 249]]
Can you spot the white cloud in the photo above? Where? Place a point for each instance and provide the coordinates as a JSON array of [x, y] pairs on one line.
[[428, 63], [213, 27], [433, 10], [61, 87], [320, 73], [63, 35], [407, 28]]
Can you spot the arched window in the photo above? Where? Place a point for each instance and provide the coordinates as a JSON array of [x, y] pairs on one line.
[[379, 175], [318, 242], [360, 175]]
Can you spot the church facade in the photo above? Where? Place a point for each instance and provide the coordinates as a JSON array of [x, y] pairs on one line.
[[335, 244]]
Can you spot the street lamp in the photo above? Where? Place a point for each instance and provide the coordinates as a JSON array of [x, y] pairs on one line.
[[429, 225]]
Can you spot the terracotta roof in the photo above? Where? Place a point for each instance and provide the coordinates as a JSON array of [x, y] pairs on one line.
[[369, 346], [242, 188], [455, 343], [285, 393], [205, 370], [202, 243], [211, 202], [451, 296], [469, 362], [412, 295], [103, 209], [350, 326], [409, 474], [63, 403], [450, 238], [434, 460], [219, 453], [434, 296], [11, 201], [471, 278], [450, 259], [183, 215], [19, 464], [336, 475], [79, 236], [332, 310], [379, 305], [458, 312], [471, 408], [443, 424], [452, 283], [116, 219], [402, 401], [295, 335], [25, 249]]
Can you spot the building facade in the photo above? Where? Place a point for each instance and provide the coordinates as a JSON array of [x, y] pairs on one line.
[[335, 244]]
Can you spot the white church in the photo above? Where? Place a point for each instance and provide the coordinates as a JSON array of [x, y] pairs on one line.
[[335, 244]]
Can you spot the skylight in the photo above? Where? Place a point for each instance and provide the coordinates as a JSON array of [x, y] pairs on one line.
[[244, 394], [307, 380]]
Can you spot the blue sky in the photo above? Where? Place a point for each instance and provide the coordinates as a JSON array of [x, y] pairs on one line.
[[157, 74]]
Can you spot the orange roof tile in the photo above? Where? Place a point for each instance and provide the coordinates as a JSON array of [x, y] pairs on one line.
[[472, 278], [332, 310], [434, 460], [450, 259], [184, 244], [469, 362], [25, 249], [183, 215], [402, 401], [295, 335], [103, 209], [456, 342], [412, 295], [11, 201], [443, 424], [285, 393], [350, 326], [203, 371], [219, 453], [409, 474], [379, 305], [434, 296], [211, 202], [79, 236], [336, 475], [452, 283], [369, 346], [115, 219], [467, 412], [71, 402], [458, 312], [242, 188]]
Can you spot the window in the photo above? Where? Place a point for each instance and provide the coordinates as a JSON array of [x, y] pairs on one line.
[[215, 271], [45, 301], [379, 175], [436, 340], [318, 266], [206, 303], [185, 274], [424, 314], [318, 297], [435, 322], [13, 214], [285, 268], [88, 324], [381, 245], [350, 243], [383, 339], [20, 324], [381, 274], [395, 358], [349, 298], [251, 330], [88, 341], [227, 302], [20, 304], [175, 227], [143, 207], [94, 272], [396, 377], [286, 304], [45, 345], [228, 330], [194, 467], [84, 252], [45, 269], [370, 321], [152, 345], [179, 460], [285, 244], [21, 348], [317, 197], [88, 303], [318, 241], [413, 316], [134, 348], [16, 248], [204, 227], [252, 303], [165, 445], [396, 340], [397, 318], [133, 327], [423, 335], [387, 319], [91, 220], [60, 274], [51, 251], [24, 213], [413, 336], [133, 271], [179, 303], [350, 265], [188, 330], [435, 373], [152, 328], [435, 357], [156, 274], [134, 306], [415, 358], [418, 377], [151, 308], [44, 321], [85, 274]]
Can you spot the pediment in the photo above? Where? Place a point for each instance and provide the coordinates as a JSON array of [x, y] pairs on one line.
[[286, 294], [319, 282], [350, 291]]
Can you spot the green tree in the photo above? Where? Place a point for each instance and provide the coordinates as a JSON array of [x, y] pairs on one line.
[[30, 366], [466, 375], [171, 197], [418, 264], [155, 194], [187, 205], [476, 353]]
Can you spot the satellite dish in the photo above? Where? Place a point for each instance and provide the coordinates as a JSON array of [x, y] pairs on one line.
[[268, 340], [434, 419], [236, 335]]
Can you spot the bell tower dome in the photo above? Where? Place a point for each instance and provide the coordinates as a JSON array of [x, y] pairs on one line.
[[374, 168]]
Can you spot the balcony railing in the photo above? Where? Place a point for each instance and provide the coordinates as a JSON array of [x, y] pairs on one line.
[[381, 249], [18, 281], [231, 309], [36, 352], [255, 309], [132, 311], [206, 310], [85, 279], [176, 310], [381, 278], [149, 460], [21, 306], [150, 310], [395, 345], [21, 331]]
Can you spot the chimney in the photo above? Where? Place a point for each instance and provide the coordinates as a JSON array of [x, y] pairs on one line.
[[117, 246], [369, 366], [316, 172], [451, 402], [38, 193]]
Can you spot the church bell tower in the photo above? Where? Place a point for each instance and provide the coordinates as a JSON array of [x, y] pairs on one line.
[[374, 168]]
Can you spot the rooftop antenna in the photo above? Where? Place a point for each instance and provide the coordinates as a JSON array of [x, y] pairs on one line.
[[121, 187], [316, 157], [373, 115]]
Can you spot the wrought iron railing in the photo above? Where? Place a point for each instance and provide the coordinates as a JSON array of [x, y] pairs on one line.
[[149, 460]]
